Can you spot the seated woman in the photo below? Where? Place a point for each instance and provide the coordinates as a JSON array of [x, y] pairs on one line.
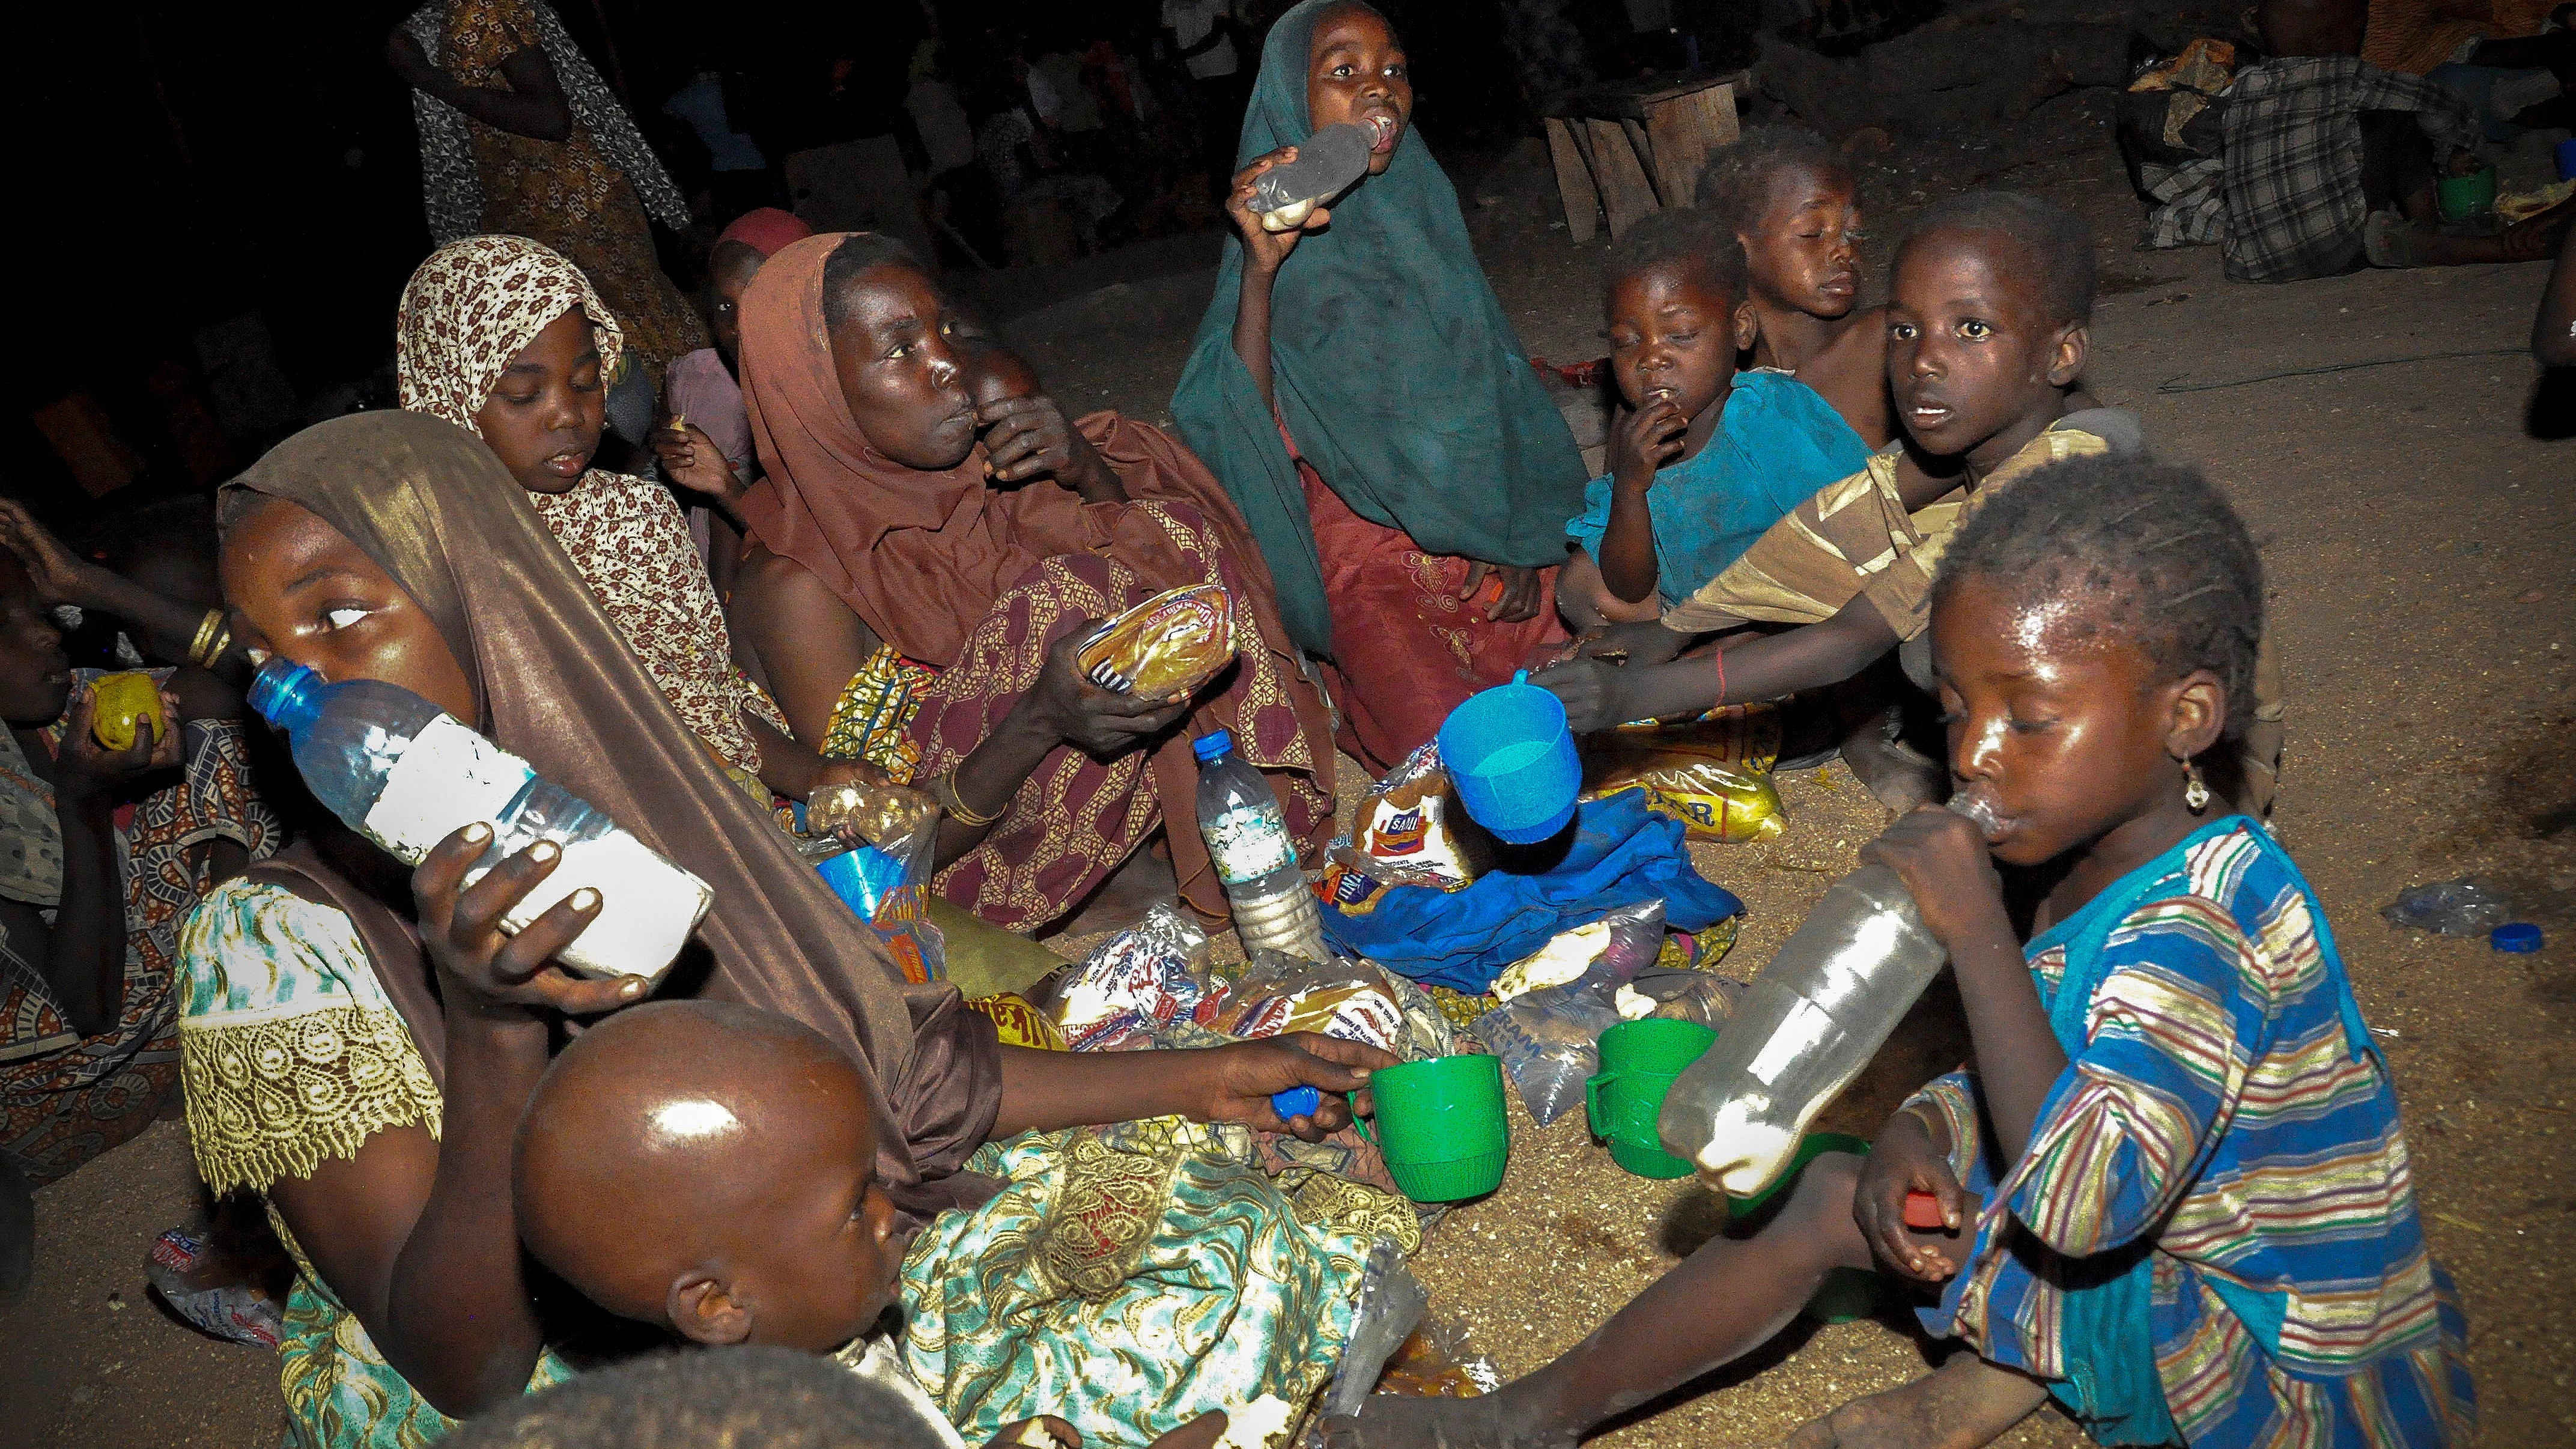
[[102, 854], [360, 1042], [1366, 402], [506, 339], [922, 571]]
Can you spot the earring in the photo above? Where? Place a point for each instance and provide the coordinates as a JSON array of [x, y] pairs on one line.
[[2195, 790]]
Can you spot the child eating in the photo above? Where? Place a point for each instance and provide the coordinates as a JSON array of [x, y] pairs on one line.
[[2174, 1191], [741, 1150], [1990, 301], [1705, 458], [1795, 207]]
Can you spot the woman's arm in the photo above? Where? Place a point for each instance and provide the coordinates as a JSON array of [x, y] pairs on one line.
[[169, 627], [417, 1234], [533, 104], [1599, 696], [1045, 1091]]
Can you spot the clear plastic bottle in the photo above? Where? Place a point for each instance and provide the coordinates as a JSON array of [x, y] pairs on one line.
[[1247, 840], [405, 774], [1807, 1025]]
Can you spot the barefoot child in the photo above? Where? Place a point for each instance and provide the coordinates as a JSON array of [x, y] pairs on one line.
[[742, 1147], [1796, 208], [1705, 458], [2177, 1195]]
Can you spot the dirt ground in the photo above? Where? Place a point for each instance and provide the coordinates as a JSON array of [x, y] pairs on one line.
[[2419, 544]]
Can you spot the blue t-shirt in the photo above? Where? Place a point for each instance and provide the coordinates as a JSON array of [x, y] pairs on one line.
[[1777, 442]]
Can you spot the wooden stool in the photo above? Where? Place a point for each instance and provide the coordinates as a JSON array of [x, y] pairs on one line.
[[1628, 147]]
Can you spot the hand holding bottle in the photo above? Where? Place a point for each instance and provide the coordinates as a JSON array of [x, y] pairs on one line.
[[483, 972], [1941, 856]]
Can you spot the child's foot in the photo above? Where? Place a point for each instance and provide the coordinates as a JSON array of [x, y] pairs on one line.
[[1963, 1404], [1392, 1421]]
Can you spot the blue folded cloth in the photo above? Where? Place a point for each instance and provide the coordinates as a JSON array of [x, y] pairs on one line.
[[1622, 854]]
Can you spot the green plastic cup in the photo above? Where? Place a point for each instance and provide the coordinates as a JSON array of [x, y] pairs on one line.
[[2463, 197], [1639, 1060], [1441, 1126], [1846, 1293]]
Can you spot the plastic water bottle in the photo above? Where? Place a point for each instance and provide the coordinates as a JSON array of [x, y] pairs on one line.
[[1247, 840], [1808, 1024], [406, 774]]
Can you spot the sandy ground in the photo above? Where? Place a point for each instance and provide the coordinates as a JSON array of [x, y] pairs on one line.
[[2418, 541]]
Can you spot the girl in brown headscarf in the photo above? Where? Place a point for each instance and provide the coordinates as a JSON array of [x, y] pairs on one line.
[[359, 1049], [922, 568]]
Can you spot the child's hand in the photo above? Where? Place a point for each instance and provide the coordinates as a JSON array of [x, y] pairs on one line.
[[694, 462], [60, 575], [484, 973], [85, 770], [1594, 694], [1264, 249], [1942, 858], [1520, 593], [1905, 1159], [1649, 439], [1244, 1077], [1044, 1432]]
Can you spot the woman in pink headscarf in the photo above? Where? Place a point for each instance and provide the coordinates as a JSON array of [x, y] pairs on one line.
[[706, 444]]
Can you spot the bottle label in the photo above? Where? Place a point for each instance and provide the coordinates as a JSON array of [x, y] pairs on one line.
[[1248, 842], [447, 777]]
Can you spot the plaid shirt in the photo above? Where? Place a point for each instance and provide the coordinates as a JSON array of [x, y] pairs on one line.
[[2294, 202]]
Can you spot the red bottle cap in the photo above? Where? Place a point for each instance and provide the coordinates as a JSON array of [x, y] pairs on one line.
[[1923, 1210]]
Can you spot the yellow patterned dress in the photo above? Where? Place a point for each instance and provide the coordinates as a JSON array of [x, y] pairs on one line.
[[292, 1054]]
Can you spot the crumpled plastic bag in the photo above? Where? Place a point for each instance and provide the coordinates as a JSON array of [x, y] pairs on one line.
[[1390, 1302], [2464, 907], [1550, 1038], [1165, 647], [1712, 774], [1140, 980], [886, 880]]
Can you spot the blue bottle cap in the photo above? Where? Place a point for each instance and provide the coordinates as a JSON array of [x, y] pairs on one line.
[[1210, 745], [1296, 1102], [2520, 938], [286, 694]]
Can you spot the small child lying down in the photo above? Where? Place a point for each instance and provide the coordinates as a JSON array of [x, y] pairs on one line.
[[710, 1168]]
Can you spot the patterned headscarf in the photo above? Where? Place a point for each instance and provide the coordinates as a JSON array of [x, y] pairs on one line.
[[451, 189], [470, 308]]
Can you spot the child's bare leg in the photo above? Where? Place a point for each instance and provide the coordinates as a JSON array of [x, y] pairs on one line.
[[1725, 1300], [1963, 1404], [1587, 603]]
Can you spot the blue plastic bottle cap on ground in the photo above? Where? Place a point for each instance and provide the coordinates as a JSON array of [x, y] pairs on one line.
[[2519, 938], [1296, 1102], [1510, 754]]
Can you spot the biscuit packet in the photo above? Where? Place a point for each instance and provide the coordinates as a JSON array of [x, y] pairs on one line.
[[1412, 830], [1713, 774], [1166, 647]]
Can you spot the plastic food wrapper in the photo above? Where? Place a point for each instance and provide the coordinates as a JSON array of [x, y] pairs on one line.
[[1411, 831], [1549, 1038], [1667, 995], [1168, 645], [1562, 959], [121, 703], [1017, 1023], [1712, 774], [1435, 1363], [886, 880], [2464, 907], [1390, 1303], [1140, 980]]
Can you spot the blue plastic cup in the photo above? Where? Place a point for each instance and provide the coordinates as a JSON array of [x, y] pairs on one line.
[[1510, 754], [2567, 159]]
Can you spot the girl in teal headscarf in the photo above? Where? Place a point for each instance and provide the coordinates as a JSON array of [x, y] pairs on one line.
[[1370, 410]]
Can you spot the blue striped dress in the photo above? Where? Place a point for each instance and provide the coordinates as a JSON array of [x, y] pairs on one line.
[[2213, 1236]]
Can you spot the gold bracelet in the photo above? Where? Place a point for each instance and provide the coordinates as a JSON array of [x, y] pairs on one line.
[[944, 789], [206, 628], [215, 648]]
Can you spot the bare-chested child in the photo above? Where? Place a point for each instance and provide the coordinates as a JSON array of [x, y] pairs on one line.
[[711, 1168], [1796, 208]]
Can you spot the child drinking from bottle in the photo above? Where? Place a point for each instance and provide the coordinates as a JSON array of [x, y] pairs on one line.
[[2172, 1189]]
